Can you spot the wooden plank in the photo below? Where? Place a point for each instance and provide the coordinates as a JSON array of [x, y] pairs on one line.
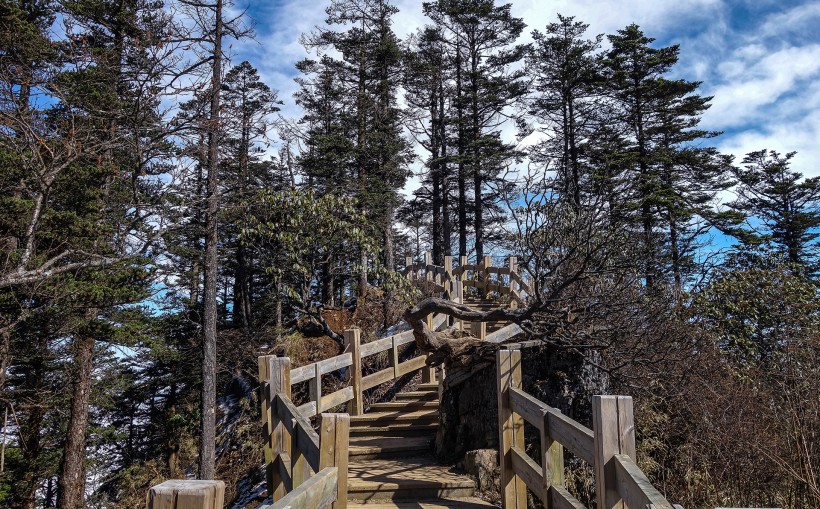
[[353, 341], [479, 330], [510, 429], [614, 429], [530, 471], [377, 378], [562, 499], [187, 494], [336, 398], [278, 372], [574, 436], [394, 358], [315, 387], [334, 439], [266, 419], [634, 487], [552, 455], [504, 333], [318, 492], [528, 407], [309, 409], [305, 438], [413, 364], [325, 366]]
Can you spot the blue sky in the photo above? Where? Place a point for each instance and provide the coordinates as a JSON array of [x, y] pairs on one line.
[[759, 59]]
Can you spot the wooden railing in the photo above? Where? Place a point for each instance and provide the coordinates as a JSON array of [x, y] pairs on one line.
[[302, 466], [609, 447], [482, 276], [291, 451]]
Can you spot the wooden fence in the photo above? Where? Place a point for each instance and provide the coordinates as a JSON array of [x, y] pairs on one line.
[[480, 278], [304, 469], [609, 447]]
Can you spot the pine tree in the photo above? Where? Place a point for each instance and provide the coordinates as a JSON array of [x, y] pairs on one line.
[[674, 179], [786, 205], [482, 40], [566, 102]]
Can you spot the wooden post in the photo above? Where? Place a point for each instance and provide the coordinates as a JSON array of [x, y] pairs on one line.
[[274, 377], [316, 388], [334, 433], [552, 459], [458, 296], [408, 261], [510, 429], [513, 284], [353, 344], [185, 494], [462, 261], [614, 429], [479, 330], [448, 280], [428, 260], [394, 357], [428, 374]]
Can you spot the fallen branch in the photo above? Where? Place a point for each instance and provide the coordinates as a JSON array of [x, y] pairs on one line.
[[452, 348]]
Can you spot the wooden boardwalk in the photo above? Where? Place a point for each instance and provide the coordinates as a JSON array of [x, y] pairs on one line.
[[391, 464], [382, 458]]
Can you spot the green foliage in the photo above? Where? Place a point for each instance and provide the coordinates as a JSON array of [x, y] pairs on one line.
[[759, 308]]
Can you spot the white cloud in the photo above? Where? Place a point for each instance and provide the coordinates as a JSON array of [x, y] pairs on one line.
[[761, 71]]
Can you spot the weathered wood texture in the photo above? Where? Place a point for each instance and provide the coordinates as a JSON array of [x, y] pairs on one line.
[[510, 429], [317, 492], [334, 441], [274, 377], [614, 429], [185, 494]]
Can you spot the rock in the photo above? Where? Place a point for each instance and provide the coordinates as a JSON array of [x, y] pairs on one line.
[[482, 464]]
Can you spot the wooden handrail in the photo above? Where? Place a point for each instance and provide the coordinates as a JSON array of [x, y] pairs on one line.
[[317, 492], [634, 487], [609, 447]]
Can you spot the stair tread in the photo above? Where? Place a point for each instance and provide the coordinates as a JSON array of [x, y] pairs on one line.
[[374, 444], [404, 404], [395, 415], [413, 428], [429, 387], [402, 473], [459, 503], [420, 395]]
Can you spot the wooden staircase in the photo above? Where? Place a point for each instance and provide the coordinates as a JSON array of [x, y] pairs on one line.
[[484, 304], [391, 464]]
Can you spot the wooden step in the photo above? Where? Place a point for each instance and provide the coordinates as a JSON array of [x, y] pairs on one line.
[[429, 387], [373, 447], [402, 429], [422, 415], [408, 404], [460, 503], [405, 478], [417, 395]]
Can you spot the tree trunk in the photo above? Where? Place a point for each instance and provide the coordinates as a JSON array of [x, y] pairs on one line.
[[207, 445], [462, 177], [71, 487]]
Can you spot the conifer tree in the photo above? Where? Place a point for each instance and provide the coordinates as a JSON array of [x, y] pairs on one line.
[[482, 40], [786, 204]]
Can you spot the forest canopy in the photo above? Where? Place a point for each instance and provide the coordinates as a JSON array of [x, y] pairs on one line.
[[162, 223]]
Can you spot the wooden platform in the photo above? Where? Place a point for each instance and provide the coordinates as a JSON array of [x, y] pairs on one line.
[[464, 503]]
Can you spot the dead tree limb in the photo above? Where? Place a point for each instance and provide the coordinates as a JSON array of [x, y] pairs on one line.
[[451, 347]]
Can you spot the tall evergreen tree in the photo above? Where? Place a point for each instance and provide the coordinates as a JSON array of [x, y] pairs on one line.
[[786, 205], [674, 180], [566, 103], [482, 37]]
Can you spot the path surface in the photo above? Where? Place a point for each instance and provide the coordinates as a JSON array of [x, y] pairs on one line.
[[391, 459]]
